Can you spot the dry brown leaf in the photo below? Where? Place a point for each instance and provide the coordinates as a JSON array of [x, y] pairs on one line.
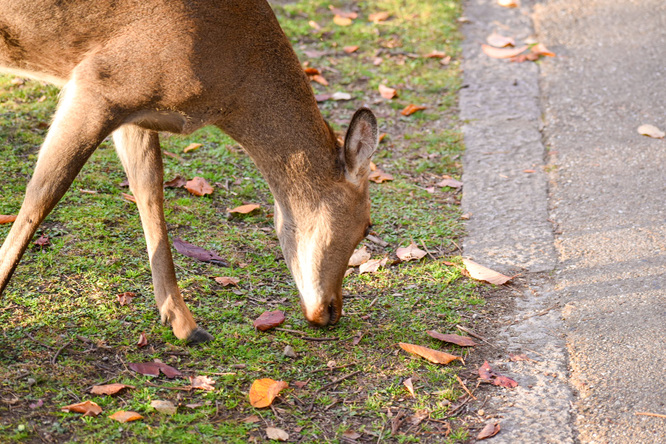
[[360, 256], [540, 50], [88, 408], [379, 176], [165, 407], [351, 435], [481, 273], [410, 253], [176, 182], [342, 12], [244, 209], [462, 341], [192, 147], [126, 298], [342, 21], [489, 375], [198, 186], [198, 253], [42, 241], [276, 434], [264, 391], [125, 416], [268, 320], [410, 386], [128, 197], [310, 71], [431, 355], [411, 109], [372, 265], [650, 131], [143, 340], [251, 419], [203, 383], [387, 93], [109, 389], [450, 182], [499, 41], [434, 54], [7, 219], [377, 17], [491, 429], [319, 79], [350, 49], [226, 280], [509, 3], [502, 53]]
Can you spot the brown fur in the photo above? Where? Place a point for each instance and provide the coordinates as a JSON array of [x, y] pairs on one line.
[[135, 67]]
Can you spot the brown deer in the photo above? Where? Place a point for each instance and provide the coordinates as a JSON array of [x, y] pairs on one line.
[[131, 68]]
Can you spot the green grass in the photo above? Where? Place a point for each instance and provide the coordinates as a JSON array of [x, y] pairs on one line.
[[67, 291]]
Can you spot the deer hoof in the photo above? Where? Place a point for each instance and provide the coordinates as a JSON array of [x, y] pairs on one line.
[[199, 336]]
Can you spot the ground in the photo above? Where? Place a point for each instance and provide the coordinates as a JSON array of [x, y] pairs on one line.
[[64, 330]]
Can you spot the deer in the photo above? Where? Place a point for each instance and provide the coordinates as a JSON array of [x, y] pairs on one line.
[[131, 69]]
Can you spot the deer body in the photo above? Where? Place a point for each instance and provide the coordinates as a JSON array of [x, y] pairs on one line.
[[133, 68]]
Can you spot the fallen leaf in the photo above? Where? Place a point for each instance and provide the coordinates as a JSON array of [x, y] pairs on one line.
[[377, 17], [88, 408], [192, 147], [342, 13], [434, 54], [509, 3], [203, 383], [410, 386], [319, 79], [165, 407], [143, 340], [360, 256], [128, 197], [357, 338], [36, 405], [431, 355], [350, 49], [450, 182], [500, 41], [198, 186], [251, 419], [520, 357], [489, 375], [462, 341], [126, 298], [491, 429], [342, 21], [109, 389], [540, 50], [198, 253], [124, 416], [314, 25], [176, 182], [351, 435], [481, 273], [196, 405], [43, 241], [411, 109], [529, 171], [372, 265], [276, 434], [386, 92], [650, 131], [7, 219], [410, 253], [268, 320], [311, 71], [341, 96], [173, 156], [379, 176], [154, 369], [244, 209], [502, 53], [264, 391], [226, 281]]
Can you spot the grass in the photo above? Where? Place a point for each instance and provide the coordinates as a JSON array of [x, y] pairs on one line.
[[61, 304]]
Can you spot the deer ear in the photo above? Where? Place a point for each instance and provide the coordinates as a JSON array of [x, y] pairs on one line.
[[360, 144]]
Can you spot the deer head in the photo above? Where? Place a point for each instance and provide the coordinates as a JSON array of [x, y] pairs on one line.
[[318, 235]]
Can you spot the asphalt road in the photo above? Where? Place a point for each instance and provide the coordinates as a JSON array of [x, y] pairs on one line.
[[588, 227]]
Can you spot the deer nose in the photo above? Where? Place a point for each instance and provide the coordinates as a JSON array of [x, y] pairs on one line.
[[325, 315]]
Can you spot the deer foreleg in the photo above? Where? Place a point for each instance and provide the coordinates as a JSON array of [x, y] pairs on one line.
[[140, 154], [79, 126]]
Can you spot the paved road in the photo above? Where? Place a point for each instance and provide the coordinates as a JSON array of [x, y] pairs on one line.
[[594, 215]]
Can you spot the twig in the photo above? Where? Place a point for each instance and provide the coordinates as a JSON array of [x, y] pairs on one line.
[[427, 251], [374, 301], [451, 413], [38, 341], [287, 330], [656, 415], [57, 353], [465, 387], [471, 333], [325, 369], [182, 389], [330, 384], [454, 243]]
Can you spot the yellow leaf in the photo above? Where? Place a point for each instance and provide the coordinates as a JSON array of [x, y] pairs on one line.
[[341, 21], [264, 391], [192, 147], [125, 416]]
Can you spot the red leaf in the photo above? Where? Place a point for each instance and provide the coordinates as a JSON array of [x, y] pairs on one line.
[[489, 375], [462, 341], [198, 253], [154, 368], [268, 320], [411, 109], [43, 241]]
